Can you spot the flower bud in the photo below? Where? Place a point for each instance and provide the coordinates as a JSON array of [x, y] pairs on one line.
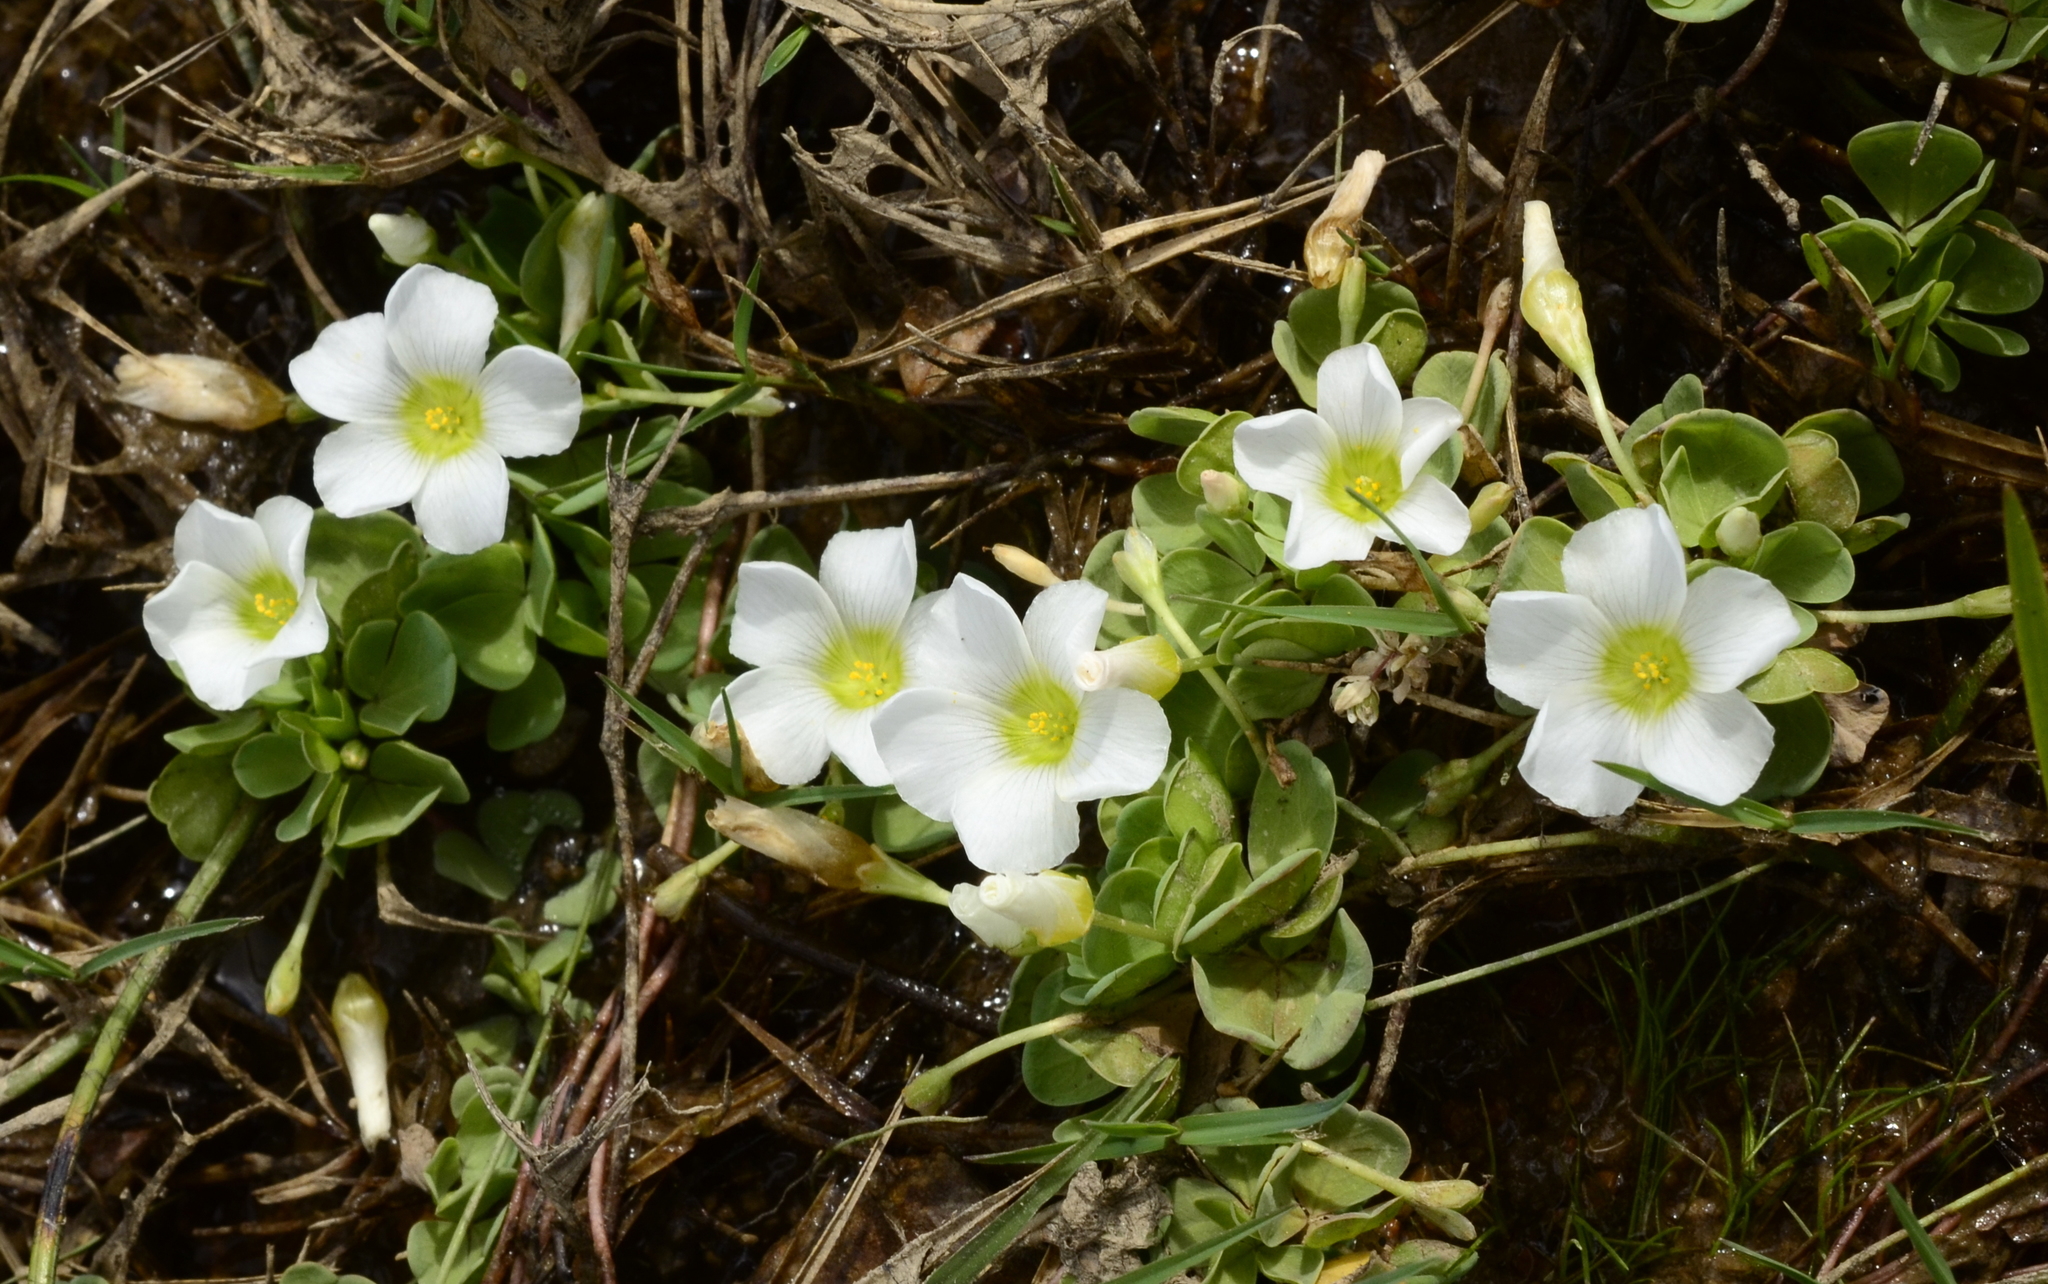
[[355, 755], [1023, 565], [1739, 533], [1225, 495], [1023, 913], [1356, 700], [1148, 664], [406, 238], [198, 389], [1325, 252], [486, 152], [834, 856], [714, 734], [1489, 504], [360, 1022], [674, 895], [1986, 604], [1137, 562], [581, 242], [1550, 297]]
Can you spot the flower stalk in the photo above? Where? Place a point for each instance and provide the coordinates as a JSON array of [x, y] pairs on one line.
[[1137, 562], [1986, 604], [929, 1091], [281, 990]]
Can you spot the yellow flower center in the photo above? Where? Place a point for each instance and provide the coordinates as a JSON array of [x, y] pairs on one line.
[[1646, 670], [1039, 722], [1373, 475], [442, 417], [863, 671], [271, 602]]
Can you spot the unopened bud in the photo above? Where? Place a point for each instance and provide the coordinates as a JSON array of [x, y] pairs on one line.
[[581, 240], [1550, 296], [1137, 562], [1325, 252], [360, 1023], [406, 238], [198, 389], [714, 734], [1148, 664], [1225, 495], [1489, 504], [485, 152], [1021, 913], [1468, 604], [835, 856], [1739, 533], [1023, 565], [1986, 604], [1356, 700]]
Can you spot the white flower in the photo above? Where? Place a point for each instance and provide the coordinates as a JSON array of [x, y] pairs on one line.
[[424, 420], [1362, 437], [360, 1024], [1020, 913], [405, 238], [1001, 740], [830, 653], [241, 604], [199, 390], [1634, 665]]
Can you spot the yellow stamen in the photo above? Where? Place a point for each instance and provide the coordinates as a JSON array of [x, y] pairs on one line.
[[1056, 727], [275, 608], [445, 419], [1650, 670], [1367, 487]]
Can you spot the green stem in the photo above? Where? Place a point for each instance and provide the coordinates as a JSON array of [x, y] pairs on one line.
[[281, 991], [1967, 690], [1192, 651], [1143, 931], [1510, 847], [113, 1032], [1624, 462], [53, 1057], [935, 1084], [1531, 956], [1973, 607]]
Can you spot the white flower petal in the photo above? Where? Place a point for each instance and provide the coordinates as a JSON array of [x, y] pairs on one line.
[[1577, 731], [438, 323], [972, 642], [1539, 643], [782, 616], [783, 713], [1429, 513], [212, 536], [934, 742], [1356, 395], [286, 522], [1710, 745], [1318, 533], [871, 576], [1734, 624], [305, 633], [199, 593], [1289, 454], [1426, 424], [1120, 746], [851, 733], [531, 402], [1630, 563], [363, 467], [996, 930], [1062, 625], [1013, 821], [349, 373], [461, 505], [195, 622]]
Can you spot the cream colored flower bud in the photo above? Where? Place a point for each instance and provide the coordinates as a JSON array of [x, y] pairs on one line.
[[1550, 296], [833, 855], [1356, 700], [1739, 533], [1325, 252], [1137, 563], [1148, 664], [581, 242], [1023, 565], [198, 389], [360, 1023], [716, 739], [406, 238], [1490, 503], [1225, 495], [1022, 913]]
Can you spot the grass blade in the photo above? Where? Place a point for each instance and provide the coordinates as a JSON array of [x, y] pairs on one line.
[[1168, 1267], [169, 936], [2029, 619], [1923, 1243], [784, 53], [1391, 618], [1437, 588]]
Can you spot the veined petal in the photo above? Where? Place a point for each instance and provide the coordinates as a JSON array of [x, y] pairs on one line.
[[782, 617], [363, 467], [1630, 563], [1318, 533], [934, 742], [997, 931], [1540, 643], [531, 402], [200, 594], [349, 373], [461, 504], [782, 712], [972, 642], [1712, 745], [213, 536], [871, 576], [1734, 624], [1289, 454], [305, 633], [1120, 746], [439, 323], [1357, 396], [1012, 820], [1062, 625], [195, 622], [1576, 732], [1426, 424], [1429, 513], [851, 734], [286, 522]]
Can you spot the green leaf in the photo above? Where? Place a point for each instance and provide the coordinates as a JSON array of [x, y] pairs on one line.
[[2029, 620], [312, 808], [1991, 340], [343, 552], [1212, 451], [529, 712], [1174, 425], [1879, 477], [1348, 973], [128, 949], [1803, 736], [1448, 374], [195, 798], [1869, 250], [1287, 818], [271, 764], [1166, 513], [398, 762], [1165, 1268], [1536, 562], [1196, 800], [1807, 562], [374, 810], [1797, 672], [1823, 487], [1595, 491], [510, 822], [480, 600], [1402, 336], [18, 957], [540, 269], [675, 744], [784, 52], [405, 670], [1359, 1135], [1958, 38], [1851, 821], [966, 1264], [1882, 157], [70, 185], [588, 899], [895, 826], [212, 739], [1425, 623], [2000, 277], [462, 859], [1713, 461], [1697, 11]]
